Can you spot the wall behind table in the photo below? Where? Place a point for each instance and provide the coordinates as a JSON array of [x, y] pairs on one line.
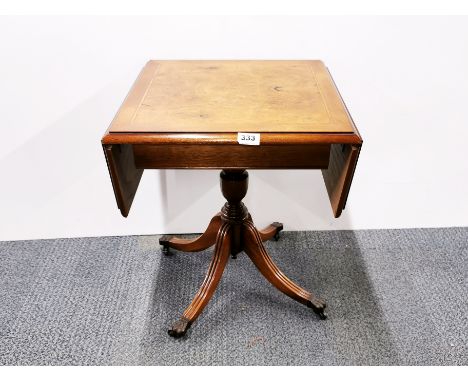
[[404, 80]]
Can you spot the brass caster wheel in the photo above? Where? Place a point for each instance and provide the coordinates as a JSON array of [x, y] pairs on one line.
[[165, 251], [179, 329], [279, 228], [322, 315], [163, 241], [319, 309]]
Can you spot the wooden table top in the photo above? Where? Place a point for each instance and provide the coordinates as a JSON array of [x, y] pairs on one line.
[[187, 114], [231, 97]]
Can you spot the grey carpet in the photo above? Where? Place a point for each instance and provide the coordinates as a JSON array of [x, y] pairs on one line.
[[394, 297]]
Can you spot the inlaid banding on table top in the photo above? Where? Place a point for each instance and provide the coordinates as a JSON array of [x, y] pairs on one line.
[[164, 122], [233, 96]]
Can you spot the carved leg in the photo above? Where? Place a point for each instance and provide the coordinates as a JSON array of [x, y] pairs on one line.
[[204, 241], [272, 231], [254, 248], [204, 294]]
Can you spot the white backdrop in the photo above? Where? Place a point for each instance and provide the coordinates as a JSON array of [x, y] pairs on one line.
[[404, 80]]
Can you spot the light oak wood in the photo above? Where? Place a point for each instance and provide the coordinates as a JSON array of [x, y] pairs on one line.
[[233, 96]]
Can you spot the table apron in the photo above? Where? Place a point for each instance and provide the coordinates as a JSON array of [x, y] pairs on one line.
[[232, 156]]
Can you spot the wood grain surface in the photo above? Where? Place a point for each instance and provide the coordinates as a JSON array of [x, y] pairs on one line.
[[339, 175], [124, 175], [233, 96], [186, 114], [231, 156]]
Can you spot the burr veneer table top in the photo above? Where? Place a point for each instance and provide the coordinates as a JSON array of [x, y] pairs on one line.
[[188, 114], [233, 96]]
